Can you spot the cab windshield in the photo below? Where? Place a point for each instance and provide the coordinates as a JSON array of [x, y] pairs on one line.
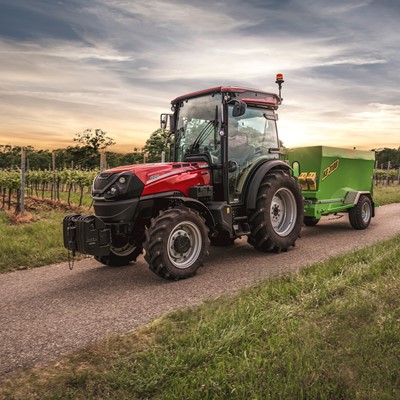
[[252, 134], [198, 128]]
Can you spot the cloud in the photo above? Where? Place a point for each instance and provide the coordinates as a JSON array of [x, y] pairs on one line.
[[66, 65]]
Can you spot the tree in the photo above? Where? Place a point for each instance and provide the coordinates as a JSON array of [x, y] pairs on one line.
[[10, 157], [92, 141], [132, 158], [383, 156], [38, 159], [155, 145]]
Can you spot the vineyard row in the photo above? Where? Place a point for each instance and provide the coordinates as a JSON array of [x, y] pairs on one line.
[[44, 182]]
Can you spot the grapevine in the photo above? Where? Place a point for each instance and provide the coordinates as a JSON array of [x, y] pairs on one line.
[[48, 183]]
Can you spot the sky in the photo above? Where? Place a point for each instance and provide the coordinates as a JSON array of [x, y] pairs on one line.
[[70, 65]]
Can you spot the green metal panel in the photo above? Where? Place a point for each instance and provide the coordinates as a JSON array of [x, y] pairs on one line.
[[338, 172]]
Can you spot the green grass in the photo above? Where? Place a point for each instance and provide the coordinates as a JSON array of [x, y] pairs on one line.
[[387, 194], [330, 332], [31, 244]]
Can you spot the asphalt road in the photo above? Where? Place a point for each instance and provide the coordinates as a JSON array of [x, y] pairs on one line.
[[51, 311]]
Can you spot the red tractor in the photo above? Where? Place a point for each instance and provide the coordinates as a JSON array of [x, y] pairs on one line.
[[226, 181]]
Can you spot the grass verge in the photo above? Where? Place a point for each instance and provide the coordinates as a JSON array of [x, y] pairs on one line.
[[33, 244], [330, 332], [387, 194]]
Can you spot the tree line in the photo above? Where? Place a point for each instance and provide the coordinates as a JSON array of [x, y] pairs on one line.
[[92, 142], [86, 153], [385, 156]]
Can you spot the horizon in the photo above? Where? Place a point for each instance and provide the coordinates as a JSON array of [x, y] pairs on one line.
[[71, 66]]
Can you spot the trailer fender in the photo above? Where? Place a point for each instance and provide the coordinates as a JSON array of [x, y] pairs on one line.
[[254, 179], [353, 197]]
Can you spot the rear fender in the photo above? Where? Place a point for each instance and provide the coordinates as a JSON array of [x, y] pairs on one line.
[[254, 179], [194, 204]]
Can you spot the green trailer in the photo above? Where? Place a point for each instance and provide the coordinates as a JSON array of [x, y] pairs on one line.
[[335, 180]]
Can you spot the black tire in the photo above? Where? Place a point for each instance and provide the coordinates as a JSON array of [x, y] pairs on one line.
[[176, 243], [311, 221], [278, 219], [360, 215], [123, 250], [118, 258]]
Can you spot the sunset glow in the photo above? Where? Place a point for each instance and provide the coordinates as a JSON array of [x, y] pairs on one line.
[[115, 65]]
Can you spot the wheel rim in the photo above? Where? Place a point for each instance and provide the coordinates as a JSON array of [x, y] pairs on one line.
[[366, 212], [283, 212], [124, 250], [184, 245]]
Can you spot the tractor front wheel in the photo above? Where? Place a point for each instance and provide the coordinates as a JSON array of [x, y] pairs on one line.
[[277, 221], [360, 215], [122, 252], [176, 243]]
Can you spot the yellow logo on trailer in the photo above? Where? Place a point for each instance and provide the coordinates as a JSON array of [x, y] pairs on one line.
[[329, 170], [312, 181], [303, 180]]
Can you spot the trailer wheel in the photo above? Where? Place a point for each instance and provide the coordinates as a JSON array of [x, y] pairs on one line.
[[278, 219], [360, 215], [176, 243], [121, 255], [311, 221]]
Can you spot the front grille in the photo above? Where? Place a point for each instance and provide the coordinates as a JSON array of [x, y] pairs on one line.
[[103, 180], [107, 186]]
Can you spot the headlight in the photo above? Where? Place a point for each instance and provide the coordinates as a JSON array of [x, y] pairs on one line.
[[122, 180]]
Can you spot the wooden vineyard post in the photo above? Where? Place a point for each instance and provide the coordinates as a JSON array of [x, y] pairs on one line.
[[22, 201], [103, 161], [53, 161]]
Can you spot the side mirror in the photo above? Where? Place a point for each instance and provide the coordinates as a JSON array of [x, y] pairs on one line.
[[167, 119], [239, 108]]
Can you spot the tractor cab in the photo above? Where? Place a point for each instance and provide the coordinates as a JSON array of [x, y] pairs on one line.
[[233, 129]]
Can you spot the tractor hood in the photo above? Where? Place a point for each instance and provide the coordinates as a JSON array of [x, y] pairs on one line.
[[146, 179]]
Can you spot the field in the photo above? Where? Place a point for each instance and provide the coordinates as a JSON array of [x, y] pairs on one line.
[[330, 332]]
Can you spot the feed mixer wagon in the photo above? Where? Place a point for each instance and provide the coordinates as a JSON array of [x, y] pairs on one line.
[[335, 180]]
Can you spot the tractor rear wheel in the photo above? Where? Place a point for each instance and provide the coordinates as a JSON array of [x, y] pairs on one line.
[[360, 215], [176, 243], [278, 219]]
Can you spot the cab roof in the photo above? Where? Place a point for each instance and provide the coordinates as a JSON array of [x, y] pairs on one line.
[[244, 94]]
